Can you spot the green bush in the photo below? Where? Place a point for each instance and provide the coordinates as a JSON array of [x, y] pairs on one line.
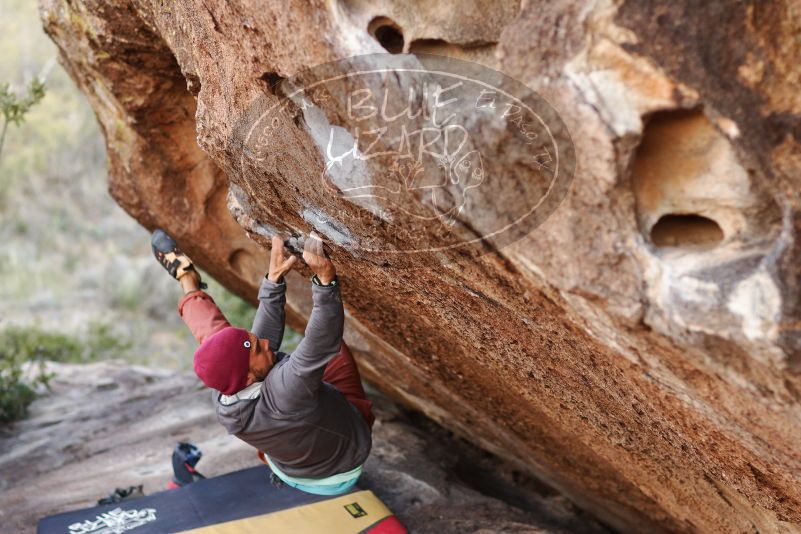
[[13, 108], [33, 344], [15, 393], [103, 343], [19, 345]]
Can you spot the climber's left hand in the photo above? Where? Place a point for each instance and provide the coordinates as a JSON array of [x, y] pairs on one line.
[[280, 263]]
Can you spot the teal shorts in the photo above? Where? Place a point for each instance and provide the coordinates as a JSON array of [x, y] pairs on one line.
[[333, 485]]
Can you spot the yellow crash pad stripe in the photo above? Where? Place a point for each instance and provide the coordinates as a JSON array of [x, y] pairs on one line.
[[348, 514]]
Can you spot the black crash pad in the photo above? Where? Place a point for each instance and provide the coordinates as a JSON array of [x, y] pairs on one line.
[[206, 502]]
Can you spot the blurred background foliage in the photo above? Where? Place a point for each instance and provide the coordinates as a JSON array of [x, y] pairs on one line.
[[14, 107], [76, 272], [24, 351]]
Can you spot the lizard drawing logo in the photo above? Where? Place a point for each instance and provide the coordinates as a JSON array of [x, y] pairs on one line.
[[409, 154], [435, 165]]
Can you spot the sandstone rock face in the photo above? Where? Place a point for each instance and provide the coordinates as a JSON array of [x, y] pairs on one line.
[[639, 350]]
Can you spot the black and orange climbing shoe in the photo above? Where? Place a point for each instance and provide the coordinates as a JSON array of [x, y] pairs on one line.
[[170, 256]]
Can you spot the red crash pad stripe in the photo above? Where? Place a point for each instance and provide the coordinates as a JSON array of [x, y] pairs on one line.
[[388, 525]]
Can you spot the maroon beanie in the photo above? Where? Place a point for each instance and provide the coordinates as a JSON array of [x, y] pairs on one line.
[[222, 361]]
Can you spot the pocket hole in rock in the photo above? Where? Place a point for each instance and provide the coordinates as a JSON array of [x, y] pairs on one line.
[[387, 33], [686, 230]]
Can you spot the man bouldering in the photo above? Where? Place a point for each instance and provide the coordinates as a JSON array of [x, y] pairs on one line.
[[305, 412]]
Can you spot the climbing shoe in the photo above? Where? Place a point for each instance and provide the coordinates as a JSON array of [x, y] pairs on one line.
[[185, 457], [122, 494], [170, 256]]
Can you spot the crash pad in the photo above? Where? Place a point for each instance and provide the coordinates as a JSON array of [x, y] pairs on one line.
[[240, 502]]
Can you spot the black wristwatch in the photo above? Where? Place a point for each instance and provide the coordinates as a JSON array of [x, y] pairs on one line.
[[316, 281]]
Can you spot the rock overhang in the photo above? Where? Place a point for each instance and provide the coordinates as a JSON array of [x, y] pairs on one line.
[[651, 383]]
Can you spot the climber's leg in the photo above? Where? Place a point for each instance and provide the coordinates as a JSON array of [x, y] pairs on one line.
[[196, 308], [201, 315], [171, 258]]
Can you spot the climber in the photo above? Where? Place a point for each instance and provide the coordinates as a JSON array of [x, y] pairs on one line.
[[305, 412]]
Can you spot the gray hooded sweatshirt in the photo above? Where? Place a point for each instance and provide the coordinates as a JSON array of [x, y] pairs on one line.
[[304, 425]]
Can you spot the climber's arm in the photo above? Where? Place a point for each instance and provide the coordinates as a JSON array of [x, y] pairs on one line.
[[322, 338], [323, 335], [269, 321], [298, 380]]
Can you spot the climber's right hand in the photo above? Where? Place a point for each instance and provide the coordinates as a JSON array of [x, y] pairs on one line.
[[315, 257]]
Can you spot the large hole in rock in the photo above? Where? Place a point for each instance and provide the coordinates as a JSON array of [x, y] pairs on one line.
[[430, 46], [685, 167], [387, 33], [686, 230]]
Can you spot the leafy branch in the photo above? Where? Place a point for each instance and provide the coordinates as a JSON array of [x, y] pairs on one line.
[[14, 107]]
